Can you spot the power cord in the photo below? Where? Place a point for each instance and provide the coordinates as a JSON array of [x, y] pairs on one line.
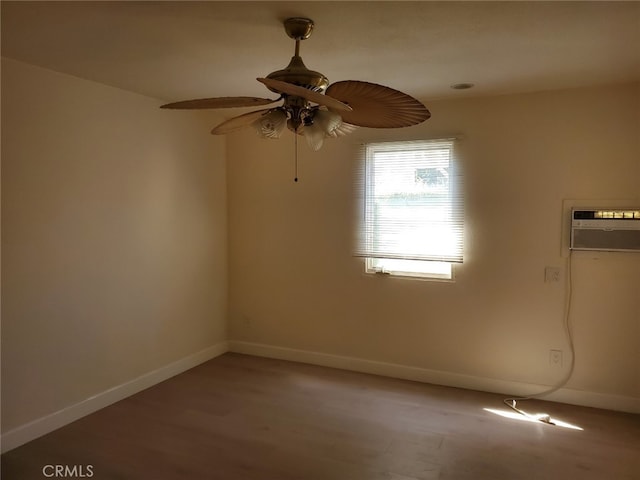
[[543, 417]]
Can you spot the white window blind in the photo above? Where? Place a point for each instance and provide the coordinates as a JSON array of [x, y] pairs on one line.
[[412, 203]]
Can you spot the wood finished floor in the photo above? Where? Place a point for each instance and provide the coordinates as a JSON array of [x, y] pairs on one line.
[[239, 417]]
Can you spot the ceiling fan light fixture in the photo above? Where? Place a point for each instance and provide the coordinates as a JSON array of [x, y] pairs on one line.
[[327, 121], [315, 137], [271, 125], [318, 125]]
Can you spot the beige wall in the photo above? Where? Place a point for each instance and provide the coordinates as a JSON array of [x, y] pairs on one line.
[[113, 239], [295, 284]]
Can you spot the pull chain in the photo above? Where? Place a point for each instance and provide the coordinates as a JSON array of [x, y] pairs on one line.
[[295, 143]]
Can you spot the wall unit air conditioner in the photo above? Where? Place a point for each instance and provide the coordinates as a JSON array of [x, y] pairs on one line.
[[605, 229]]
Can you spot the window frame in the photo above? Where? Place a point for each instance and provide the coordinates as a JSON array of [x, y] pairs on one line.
[[425, 274]]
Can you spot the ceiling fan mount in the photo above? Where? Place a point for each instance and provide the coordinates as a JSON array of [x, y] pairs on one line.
[[298, 28], [311, 105]]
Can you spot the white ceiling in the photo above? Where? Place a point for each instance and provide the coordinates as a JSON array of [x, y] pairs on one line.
[[182, 50]]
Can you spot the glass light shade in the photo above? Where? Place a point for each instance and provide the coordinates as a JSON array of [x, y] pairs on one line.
[[272, 124], [324, 123]]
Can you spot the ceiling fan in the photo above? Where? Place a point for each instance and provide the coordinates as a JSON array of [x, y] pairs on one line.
[[311, 106]]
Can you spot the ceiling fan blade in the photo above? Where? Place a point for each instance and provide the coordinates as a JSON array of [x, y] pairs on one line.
[[377, 106], [241, 121], [315, 97], [220, 102]]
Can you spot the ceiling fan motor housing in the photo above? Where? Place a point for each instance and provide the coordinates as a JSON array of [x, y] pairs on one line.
[[298, 74]]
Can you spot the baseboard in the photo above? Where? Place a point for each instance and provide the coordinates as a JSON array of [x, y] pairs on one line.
[[507, 388], [41, 426]]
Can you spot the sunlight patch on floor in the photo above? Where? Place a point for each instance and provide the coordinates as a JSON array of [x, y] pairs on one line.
[[534, 418]]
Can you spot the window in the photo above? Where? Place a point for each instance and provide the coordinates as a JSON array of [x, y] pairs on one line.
[[412, 221]]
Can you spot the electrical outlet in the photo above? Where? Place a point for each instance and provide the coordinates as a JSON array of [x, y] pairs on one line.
[[555, 358], [551, 274]]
